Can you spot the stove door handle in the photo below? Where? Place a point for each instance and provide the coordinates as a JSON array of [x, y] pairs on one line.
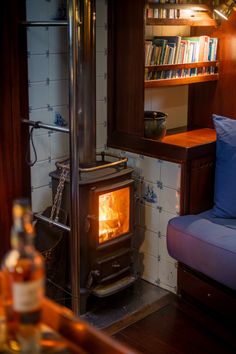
[[115, 264]]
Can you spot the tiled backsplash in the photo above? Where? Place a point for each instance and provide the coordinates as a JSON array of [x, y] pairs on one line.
[[48, 90], [157, 198], [157, 182]]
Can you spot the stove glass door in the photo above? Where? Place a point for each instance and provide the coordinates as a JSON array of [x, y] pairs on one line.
[[114, 214]]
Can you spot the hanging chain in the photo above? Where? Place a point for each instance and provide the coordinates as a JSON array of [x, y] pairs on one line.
[[58, 196]]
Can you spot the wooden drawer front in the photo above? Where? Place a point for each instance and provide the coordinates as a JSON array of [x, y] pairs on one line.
[[207, 292]]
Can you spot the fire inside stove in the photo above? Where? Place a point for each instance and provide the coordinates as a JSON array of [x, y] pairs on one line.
[[114, 214]]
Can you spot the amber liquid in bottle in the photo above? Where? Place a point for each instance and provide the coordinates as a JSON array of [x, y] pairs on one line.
[[23, 270]]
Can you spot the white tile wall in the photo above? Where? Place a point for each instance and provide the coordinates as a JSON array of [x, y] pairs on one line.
[[48, 94], [37, 40], [162, 178], [41, 198], [38, 95], [48, 88], [57, 41], [153, 177]]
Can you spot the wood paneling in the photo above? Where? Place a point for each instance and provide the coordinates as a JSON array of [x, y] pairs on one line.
[[206, 291], [126, 66], [14, 177], [216, 97]]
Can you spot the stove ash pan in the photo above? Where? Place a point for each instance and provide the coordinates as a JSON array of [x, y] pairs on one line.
[[106, 229]]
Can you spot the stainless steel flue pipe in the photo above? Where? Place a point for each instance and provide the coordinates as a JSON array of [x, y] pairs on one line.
[[82, 117]]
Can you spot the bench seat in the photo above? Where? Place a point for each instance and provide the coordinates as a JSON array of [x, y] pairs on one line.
[[206, 244]]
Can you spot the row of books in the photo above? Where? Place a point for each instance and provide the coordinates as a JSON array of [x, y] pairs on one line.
[[174, 13], [164, 50], [173, 74], [178, 50]]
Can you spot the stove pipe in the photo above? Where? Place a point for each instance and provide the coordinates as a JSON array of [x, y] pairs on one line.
[[87, 83]]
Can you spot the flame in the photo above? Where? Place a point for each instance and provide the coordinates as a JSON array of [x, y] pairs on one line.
[[114, 214]]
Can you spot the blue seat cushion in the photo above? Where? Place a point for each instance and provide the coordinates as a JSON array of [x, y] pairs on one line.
[[206, 244], [225, 169]]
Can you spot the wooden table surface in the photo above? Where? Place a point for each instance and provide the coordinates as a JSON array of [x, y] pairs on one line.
[[79, 336]]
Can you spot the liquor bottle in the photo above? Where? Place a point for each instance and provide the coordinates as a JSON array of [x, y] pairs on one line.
[[23, 271], [2, 322]]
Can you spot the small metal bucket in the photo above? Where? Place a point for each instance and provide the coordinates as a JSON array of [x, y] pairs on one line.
[[154, 125]]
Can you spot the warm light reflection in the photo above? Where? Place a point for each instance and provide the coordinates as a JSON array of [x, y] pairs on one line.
[[114, 214]]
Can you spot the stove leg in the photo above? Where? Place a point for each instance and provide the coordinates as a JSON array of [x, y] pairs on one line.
[[84, 294]]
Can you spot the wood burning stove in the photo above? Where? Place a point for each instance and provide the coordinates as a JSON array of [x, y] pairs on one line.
[[106, 195]]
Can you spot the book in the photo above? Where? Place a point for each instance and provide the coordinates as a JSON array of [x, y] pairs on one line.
[[160, 42], [169, 40]]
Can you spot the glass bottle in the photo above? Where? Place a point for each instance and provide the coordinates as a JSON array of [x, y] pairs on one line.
[[2, 321], [23, 271]]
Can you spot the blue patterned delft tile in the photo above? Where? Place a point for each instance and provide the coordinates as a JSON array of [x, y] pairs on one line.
[[149, 193]]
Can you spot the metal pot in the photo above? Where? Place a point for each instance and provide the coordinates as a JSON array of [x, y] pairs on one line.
[[154, 125]]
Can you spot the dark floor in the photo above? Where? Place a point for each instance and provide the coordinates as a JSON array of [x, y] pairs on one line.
[[117, 311], [180, 327]]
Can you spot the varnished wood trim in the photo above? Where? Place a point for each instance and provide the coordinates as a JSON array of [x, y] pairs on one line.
[[203, 21], [183, 149], [181, 80], [199, 64]]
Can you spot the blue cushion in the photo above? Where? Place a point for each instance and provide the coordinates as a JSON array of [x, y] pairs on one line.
[[225, 170], [206, 246]]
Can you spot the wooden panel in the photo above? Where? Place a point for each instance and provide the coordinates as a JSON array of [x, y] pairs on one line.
[[216, 97], [79, 335], [181, 80], [203, 21], [208, 292], [126, 66], [198, 64], [14, 177], [171, 151], [192, 138], [201, 191]]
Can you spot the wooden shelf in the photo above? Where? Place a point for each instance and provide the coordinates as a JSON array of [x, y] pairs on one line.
[[200, 16], [181, 80], [180, 22], [182, 66], [177, 148], [191, 138]]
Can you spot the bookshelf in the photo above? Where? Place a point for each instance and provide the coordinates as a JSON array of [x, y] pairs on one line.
[[206, 21], [181, 80], [179, 15], [126, 84], [184, 66], [126, 81]]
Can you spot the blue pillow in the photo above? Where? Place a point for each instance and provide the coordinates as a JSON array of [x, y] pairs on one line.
[[225, 170]]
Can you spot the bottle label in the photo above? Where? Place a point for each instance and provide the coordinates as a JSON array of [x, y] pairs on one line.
[[27, 296]]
